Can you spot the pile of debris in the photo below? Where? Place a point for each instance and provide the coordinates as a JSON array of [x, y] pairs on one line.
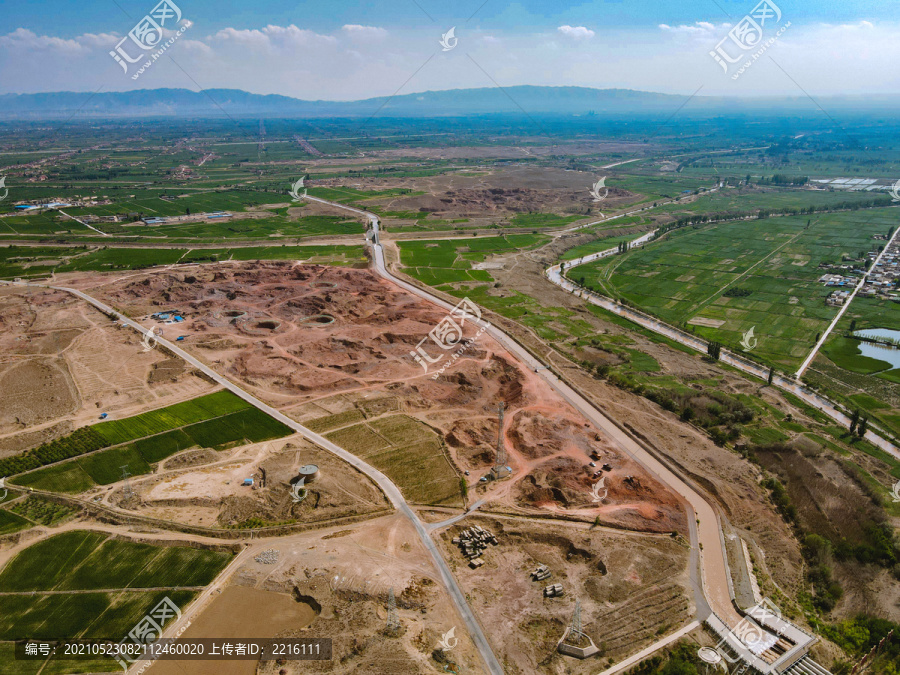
[[541, 573], [473, 542], [553, 591], [267, 557]]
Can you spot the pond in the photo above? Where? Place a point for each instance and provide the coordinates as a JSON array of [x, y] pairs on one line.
[[878, 351]]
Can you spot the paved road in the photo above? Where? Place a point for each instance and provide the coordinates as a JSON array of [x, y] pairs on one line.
[[712, 583], [391, 490], [708, 568]]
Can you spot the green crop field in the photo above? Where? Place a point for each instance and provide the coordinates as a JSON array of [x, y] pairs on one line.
[[174, 416], [83, 560], [44, 565], [101, 568], [38, 261], [217, 421], [684, 276], [448, 261], [409, 452], [41, 511], [10, 522]]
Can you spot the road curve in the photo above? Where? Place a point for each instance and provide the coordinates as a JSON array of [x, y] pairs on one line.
[[390, 490], [714, 571], [712, 587]]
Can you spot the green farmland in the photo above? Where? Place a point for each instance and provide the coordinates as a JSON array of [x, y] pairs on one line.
[[39, 261], [97, 582], [774, 262], [451, 259], [447, 265], [219, 420], [409, 452]]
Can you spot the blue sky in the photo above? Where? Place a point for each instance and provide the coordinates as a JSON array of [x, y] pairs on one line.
[[346, 50]]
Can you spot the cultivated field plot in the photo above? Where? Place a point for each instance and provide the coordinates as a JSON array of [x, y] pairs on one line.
[[97, 582], [40, 261], [867, 383], [410, 453], [774, 200], [773, 262], [464, 268], [305, 336], [64, 363], [216, 421]]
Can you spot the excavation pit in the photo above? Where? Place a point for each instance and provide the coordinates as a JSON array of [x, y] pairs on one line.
[[318, 320]]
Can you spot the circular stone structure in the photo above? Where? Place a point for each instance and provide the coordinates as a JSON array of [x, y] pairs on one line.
[[709, 655], [310, 472], [318, 319]]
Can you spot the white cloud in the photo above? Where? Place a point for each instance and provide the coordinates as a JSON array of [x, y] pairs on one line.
[[365, 32], [273, 36], [862, 25], [576, 32], [22, 38], [344, 64], [696, 28]]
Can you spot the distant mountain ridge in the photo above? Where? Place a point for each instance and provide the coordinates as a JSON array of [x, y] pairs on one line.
[[527, 99]]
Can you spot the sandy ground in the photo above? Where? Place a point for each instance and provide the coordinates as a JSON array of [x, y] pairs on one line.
[[62, 363], [341, 576], [489, 195], [297, 335], [205, 487], [631, 589]]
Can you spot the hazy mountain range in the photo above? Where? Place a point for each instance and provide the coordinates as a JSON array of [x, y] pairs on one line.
[[529, 100]]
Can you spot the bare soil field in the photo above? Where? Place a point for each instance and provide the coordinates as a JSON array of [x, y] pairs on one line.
[[62, 364], [339, 340], [730, 481], [205, 487], [240, 612], [343, 576], [631, 588], [492, 194]]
